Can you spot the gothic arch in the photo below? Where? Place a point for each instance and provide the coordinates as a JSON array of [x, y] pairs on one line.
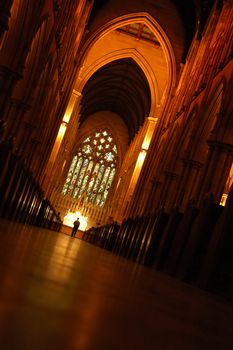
[[119, 54], [93, 167], [155, 28]]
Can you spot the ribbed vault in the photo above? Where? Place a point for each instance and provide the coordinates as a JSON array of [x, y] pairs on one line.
[[179, 18], [120, 87]]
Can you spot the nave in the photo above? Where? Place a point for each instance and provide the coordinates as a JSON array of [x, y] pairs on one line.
[[59, 292]]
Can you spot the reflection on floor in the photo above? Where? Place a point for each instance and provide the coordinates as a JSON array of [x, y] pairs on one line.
[[58, 292]]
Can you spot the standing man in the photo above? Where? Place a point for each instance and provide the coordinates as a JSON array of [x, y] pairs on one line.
[[75, 227]]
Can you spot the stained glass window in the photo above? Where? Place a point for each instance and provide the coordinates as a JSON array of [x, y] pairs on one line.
[[93, 169]]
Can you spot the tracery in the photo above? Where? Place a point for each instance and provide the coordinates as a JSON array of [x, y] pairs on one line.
[[93, 168]]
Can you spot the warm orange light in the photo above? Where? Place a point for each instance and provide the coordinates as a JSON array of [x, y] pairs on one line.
[[223, 199], [118, 183], [70, 108], [148, 136], [71, 217], [141, 158], [137, 170], [60, 271], [66, 117], [58, 141], [62, 131], [146, 143], [227, 188], [138, 167]]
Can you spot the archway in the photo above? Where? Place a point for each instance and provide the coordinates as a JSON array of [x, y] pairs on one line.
[[144, 62]]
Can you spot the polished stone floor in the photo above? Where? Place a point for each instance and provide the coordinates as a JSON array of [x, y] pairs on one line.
[[57, 292]]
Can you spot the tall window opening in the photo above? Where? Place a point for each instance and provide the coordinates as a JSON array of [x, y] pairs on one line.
[[93, 168]]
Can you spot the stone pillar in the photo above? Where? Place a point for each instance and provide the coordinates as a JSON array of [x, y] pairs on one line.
[[169, 189], [187, 184], [8, 79], [151, 204], [14, 115], [25, 136], [216, 169]]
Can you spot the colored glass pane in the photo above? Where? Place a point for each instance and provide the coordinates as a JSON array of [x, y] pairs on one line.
[[77, 170], [85, 162], [75, 194], [87, 149], [92, 170], [97, 182], [102, 168], [109, 156], [88, 139]]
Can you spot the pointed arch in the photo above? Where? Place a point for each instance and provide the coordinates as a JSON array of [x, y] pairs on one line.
[[156, 29], [93, 168], [119, 54]]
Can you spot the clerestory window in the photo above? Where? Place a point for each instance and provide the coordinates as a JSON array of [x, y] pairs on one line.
[[93, 168]]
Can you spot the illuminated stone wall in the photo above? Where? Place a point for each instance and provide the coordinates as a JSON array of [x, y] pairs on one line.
[[191, 155], [49, 50]]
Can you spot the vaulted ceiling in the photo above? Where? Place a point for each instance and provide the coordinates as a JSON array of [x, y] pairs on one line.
[[120, 87], [179, 18]]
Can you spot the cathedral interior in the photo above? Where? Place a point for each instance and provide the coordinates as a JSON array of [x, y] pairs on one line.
[[119, 113]]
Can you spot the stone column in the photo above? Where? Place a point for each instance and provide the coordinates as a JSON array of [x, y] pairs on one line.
[[8, 79], [14, 115], [188, 182], [169, 189], [151, 204], [216, 169]]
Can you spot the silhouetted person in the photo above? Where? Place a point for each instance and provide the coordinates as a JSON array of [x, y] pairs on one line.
[[75, 227]]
